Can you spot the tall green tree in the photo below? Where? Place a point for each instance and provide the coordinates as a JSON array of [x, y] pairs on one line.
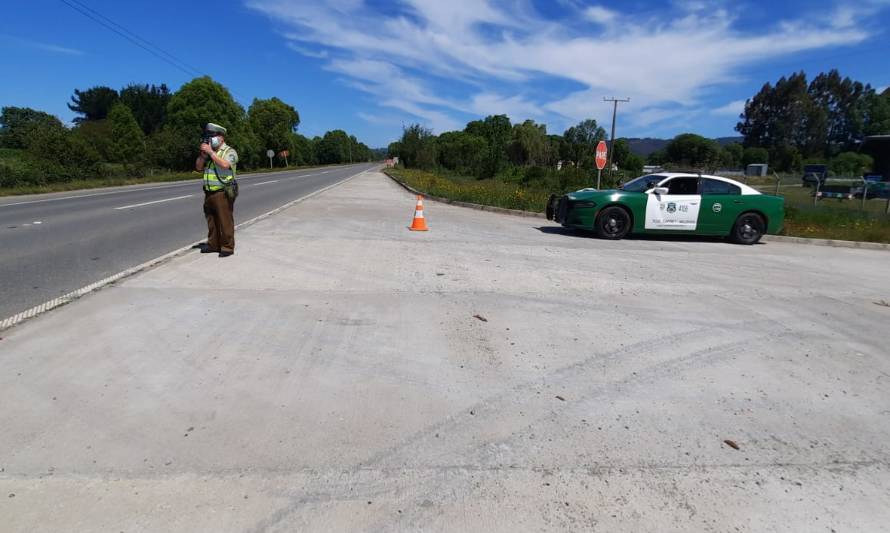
[[198, 102], [530, 145], [128, 144], [94, 103], [417, 147], [273, 122], [148, 103], [497, 132], [580, 143]]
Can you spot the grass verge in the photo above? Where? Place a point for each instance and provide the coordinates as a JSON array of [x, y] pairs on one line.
[[827, 222], [485, 192]]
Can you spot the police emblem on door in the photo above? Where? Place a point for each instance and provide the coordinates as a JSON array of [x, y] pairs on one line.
[[717, 207], [672, 207]]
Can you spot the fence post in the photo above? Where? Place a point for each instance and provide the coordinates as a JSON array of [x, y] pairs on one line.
[[816, 194], [778, 181], [864, 193]]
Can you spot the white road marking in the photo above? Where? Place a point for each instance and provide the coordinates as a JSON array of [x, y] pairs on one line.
[[178, 184], [154, 202], [157, 187], [38, 222], [265, 183]]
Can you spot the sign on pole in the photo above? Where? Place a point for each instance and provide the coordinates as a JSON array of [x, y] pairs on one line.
[[270, 154], [602, 157]]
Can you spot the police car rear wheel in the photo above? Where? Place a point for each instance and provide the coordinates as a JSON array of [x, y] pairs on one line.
[[748, 229], [613, 223]]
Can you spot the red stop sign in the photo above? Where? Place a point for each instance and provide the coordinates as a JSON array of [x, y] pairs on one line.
[[602, 155]]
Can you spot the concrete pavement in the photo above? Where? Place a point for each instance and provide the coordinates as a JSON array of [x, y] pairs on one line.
[[56, 243], [338, 375]]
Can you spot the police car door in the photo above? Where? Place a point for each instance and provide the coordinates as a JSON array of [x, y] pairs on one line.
[[677, 209]]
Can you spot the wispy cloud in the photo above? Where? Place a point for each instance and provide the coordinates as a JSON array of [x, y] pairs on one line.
[[47, 47], [732, 109], [490, 54]]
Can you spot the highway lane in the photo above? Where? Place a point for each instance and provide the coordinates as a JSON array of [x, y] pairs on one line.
[[53, 244]]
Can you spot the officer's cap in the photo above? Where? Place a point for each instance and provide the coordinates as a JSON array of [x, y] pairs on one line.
[[214, 128]]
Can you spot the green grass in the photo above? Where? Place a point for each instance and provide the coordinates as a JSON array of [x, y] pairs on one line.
[[830, 220], [484, 192]]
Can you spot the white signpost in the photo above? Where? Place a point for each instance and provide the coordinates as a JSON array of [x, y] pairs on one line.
[[270, 154]]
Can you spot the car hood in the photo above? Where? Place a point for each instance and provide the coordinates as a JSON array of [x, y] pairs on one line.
[[591, 194]]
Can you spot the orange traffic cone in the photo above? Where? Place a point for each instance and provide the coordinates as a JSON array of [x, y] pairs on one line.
[[419, 223]]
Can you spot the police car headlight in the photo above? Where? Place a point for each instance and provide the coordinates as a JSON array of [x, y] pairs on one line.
[[582, 205]]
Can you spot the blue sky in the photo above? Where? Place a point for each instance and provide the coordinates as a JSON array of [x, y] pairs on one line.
[[370, 66]]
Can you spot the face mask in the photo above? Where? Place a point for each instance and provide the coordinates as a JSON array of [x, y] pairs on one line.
[[215, 142]]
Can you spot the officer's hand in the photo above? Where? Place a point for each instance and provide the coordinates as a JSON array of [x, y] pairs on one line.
[[206, 148]]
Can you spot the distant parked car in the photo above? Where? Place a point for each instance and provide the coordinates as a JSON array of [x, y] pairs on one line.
[[672, 203], [814, 175]]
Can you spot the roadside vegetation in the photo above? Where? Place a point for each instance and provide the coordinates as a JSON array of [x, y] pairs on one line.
[[148, 133], [517, 166]]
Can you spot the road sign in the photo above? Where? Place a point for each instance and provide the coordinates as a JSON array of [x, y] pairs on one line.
[[270, 153], [602, 155]]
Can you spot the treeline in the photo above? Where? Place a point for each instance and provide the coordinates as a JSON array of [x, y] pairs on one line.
[[796, 121], [496, 148], [144, 127]]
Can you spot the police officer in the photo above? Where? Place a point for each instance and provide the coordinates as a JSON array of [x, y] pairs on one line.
[[218, 161]]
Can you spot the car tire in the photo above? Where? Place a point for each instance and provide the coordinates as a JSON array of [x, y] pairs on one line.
[[748, 229], [613, 223]]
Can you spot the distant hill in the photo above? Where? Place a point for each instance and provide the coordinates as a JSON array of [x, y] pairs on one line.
[[644, 147]]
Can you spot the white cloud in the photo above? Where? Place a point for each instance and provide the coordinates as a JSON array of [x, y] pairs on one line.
[[600, 14], [732, 109], [43, 46], [490, 52]]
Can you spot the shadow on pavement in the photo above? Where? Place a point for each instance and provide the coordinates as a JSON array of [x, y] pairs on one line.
[[587, 234]]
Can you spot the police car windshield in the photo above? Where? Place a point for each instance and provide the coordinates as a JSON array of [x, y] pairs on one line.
[[643, 183]]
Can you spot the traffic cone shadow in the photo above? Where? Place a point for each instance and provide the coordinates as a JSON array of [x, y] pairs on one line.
[[419, 222]]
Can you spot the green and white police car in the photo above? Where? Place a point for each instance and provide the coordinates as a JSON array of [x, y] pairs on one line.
[[672, 204]]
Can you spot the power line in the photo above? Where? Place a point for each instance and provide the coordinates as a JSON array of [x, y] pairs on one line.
[[141, 42]]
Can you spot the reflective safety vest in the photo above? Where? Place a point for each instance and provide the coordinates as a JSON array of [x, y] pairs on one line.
[[215, 178]]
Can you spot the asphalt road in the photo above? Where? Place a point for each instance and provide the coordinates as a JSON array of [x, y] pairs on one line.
[[53, 244]]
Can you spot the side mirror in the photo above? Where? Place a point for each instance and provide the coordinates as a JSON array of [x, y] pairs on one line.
[[660, 191]]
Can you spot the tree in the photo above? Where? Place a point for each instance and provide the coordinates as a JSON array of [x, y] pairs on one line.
[[128, 144], [462, 152], [16, 124], [203, 100], [694, 151], [734, 152], [755, 156], [273, 121], [851, 164], [148, 104], [94, 103], [417, 148], [878, 114], [530, 145], [620, 152], [633, 164], [497, 132], [580, 143], [779, 116]]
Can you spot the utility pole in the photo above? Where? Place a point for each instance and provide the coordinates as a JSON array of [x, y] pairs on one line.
[[615, 101]]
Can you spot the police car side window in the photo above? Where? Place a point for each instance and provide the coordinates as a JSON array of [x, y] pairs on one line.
[[710, 186], [683, 186]]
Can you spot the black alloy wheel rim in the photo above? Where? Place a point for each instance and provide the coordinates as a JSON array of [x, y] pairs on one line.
[[614, 223]]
